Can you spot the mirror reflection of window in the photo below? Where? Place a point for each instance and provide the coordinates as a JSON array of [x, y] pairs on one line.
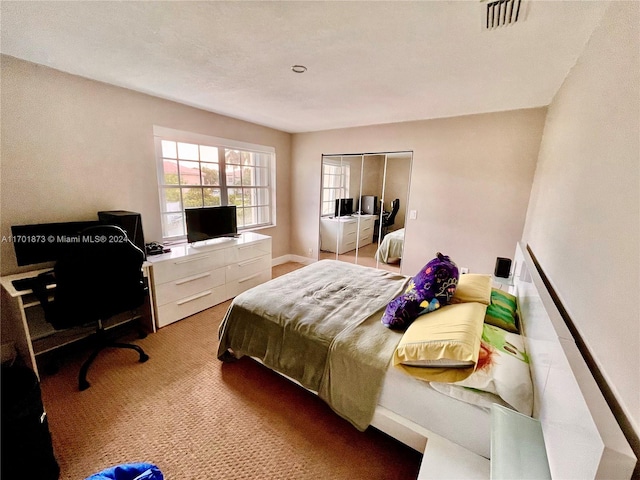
[[335, 184]]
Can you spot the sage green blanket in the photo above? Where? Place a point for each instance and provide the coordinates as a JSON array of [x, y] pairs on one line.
[[320, 325]]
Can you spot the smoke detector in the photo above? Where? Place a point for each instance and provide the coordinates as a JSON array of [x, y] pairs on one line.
[[500, 13]]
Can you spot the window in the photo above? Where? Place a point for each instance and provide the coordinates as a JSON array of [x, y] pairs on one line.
[[335, 184], [201, 171]]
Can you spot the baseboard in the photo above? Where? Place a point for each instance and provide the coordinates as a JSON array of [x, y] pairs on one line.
[[292, 258]]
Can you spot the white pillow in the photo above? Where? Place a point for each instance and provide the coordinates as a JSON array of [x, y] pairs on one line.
[[470, 395], [502, 369]]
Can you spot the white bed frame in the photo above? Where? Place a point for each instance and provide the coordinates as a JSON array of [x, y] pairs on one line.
[[581, 435], [582, 438]]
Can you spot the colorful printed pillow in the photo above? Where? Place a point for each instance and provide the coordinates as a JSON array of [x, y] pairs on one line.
[[502, 311], [502, 369], [473, 287], [433, 286]]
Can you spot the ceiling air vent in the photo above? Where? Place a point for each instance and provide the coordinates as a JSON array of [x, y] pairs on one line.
[[501, 13]]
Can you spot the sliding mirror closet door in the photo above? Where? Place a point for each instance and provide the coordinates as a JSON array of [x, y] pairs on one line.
[[390, 227], [339, 222], [359, 192], [372, 181]]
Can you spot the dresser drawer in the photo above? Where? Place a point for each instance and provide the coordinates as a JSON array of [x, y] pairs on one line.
[[364, 241], [174, 311], [349, 227], [347, 246], [238, 286], [252, 250], [367, 222], [183, 287], [186, 266], [246, 268], [366, 231], [349, 237]]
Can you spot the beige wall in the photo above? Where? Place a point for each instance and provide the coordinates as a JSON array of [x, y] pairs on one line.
[[471, 179], [373, 175], [72, 147], [583, 222], [397, 186]]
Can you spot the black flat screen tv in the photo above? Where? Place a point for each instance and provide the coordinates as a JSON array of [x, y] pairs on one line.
[[211, 222], [344, 207]]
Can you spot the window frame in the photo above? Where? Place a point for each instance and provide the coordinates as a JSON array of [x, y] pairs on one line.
[[342, 190], [222, 144]]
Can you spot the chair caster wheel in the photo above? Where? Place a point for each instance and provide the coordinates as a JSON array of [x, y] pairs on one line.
[[144, 357]]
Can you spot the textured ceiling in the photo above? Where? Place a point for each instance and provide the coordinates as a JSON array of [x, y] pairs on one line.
[[368, 62]]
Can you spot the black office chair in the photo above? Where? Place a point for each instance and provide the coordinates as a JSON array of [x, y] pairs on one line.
[[389, 220], [101, 276]]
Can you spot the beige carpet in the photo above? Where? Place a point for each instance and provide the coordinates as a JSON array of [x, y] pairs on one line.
[[366, 257], [197, 418]]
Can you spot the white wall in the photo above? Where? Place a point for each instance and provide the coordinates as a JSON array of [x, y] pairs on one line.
[[583, 221], [72, 147], [470, 183]]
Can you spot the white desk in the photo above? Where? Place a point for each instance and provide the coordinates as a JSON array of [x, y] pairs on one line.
[[25, 328]]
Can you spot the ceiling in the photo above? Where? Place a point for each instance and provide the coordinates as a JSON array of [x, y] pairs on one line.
[[368, 62]]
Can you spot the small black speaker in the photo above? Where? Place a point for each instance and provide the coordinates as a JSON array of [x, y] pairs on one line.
[[503, 267], [130, 222]]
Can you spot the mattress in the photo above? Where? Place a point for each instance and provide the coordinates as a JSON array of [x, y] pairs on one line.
[[390, 250]]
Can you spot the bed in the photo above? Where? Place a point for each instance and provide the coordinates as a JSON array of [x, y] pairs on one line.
[[587, 443], [390, 249]]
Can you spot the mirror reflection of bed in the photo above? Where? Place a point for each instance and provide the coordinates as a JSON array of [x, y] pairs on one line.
[[390, 250], [364, 200]]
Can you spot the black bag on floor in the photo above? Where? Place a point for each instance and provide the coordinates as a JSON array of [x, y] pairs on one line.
[[27, 451]]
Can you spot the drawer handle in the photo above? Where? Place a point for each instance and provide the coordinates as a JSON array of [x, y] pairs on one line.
[[245, 247], [194, 297], [366, 228], [191, 279], [189, 260], [249, 262], [250, 277]]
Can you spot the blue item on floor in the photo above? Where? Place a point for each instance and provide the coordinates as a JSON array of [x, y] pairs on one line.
[[129, 471]]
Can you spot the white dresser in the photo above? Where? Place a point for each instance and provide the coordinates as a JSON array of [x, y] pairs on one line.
[[190, 278], [343, 234]]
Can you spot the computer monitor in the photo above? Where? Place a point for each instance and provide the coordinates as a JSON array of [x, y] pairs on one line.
[[344, 207], [46, 242], [369, 204]]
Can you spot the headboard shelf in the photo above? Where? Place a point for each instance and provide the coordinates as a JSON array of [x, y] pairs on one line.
[[582, 436]]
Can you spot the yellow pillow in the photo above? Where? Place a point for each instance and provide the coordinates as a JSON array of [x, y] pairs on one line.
[[442, 345], [473, 287]]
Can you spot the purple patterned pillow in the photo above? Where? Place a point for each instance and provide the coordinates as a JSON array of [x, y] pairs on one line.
[[432, 287]]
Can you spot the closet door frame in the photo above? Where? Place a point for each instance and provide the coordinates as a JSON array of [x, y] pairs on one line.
[[336, 230]]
